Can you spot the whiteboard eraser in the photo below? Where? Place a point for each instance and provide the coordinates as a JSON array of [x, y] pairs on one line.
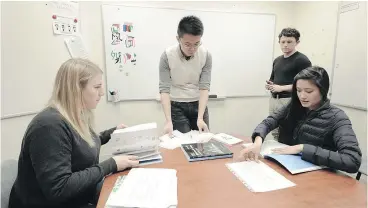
[[212, 96]]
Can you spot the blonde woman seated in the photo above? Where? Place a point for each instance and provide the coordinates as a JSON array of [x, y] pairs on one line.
[[59, 159], [321, 132]]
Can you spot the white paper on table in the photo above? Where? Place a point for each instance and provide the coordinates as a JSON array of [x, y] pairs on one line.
[[179, 138], [268, 146], [258, 177], [147, 187], [227, 139]]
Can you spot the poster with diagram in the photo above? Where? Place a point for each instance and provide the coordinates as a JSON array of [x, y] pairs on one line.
[[123, 43]]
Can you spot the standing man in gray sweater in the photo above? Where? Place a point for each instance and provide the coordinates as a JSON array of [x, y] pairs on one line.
[[185, 78]]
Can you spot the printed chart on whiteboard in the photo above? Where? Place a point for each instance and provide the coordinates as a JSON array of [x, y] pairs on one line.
[[123, 43]]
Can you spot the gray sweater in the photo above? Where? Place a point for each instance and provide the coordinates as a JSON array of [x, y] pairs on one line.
[[183, 78], [328, 137], [56, 167]]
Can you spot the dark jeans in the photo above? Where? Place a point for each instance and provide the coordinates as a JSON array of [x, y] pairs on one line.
[[184, 116]]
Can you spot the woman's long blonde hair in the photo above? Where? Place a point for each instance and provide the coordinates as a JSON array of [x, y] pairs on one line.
[[71, 79]]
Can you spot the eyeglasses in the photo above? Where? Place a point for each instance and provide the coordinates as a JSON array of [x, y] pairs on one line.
[[188, 46]]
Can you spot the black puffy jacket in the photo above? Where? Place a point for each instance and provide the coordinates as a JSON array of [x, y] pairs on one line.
[[326, 134]]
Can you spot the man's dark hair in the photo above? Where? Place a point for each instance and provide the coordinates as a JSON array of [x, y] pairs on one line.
[[190, 25], [290, 32]]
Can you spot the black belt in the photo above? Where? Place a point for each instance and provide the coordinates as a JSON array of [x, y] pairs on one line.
[[279, 95]]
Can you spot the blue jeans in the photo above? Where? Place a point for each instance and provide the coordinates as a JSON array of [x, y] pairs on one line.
[[184, 116]]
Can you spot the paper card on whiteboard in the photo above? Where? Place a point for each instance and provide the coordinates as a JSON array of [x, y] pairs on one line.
[[122, 34], [65, 8], [122, 53], [65, 26], [76, 47]]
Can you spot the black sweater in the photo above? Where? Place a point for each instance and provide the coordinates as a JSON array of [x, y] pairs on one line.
[[285, 69], [326, 134], [56, 167]]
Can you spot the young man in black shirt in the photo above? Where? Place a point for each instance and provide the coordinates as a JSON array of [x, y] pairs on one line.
[[285, 67]]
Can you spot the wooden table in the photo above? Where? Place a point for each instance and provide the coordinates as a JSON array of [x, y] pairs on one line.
[[209, 184]]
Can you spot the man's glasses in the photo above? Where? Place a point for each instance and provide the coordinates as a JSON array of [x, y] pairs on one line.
[[189, 46]]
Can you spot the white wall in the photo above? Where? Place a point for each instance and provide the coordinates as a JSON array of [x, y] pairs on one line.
[[236, 115], [317, 22], [232, 115]]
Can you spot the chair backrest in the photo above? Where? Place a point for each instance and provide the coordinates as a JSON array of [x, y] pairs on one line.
[[362, 169], [9, 171], [363, 166]]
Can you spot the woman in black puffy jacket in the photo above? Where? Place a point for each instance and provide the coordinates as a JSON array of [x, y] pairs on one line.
[[320, 132]]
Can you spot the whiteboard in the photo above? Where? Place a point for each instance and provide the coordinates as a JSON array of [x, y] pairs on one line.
[[31, 56], [241, 46], [349, 81]]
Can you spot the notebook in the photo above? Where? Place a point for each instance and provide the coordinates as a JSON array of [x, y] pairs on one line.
[[206, 151], [293, 163], [258, 177], [134, 138], [150, 160], [146, 156]]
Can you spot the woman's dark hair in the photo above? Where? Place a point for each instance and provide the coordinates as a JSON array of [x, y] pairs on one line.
[[295, 110]]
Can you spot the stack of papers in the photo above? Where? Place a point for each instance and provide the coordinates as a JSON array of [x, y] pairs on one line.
[[258, 177], [178, 138], [145, 187], [227, 139], [147, 156]]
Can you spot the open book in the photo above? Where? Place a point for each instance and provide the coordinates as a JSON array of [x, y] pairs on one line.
[[293, 163], [140, 140]]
